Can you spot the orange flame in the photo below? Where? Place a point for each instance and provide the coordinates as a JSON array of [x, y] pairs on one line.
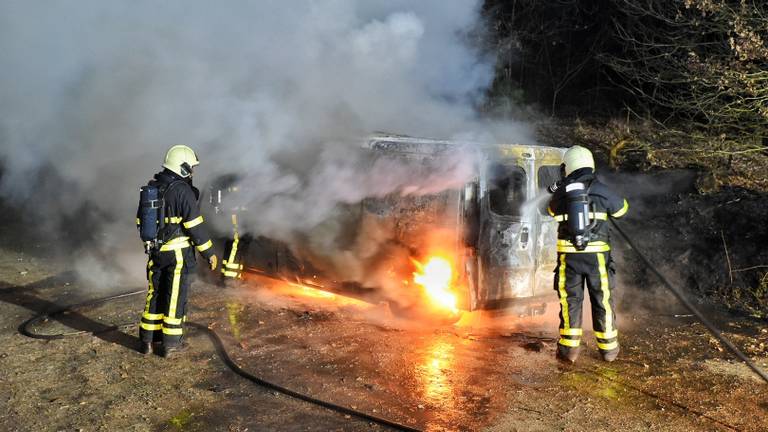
[[436, 277]]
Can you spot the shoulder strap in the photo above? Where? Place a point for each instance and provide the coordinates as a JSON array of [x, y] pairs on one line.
[[167, 231], [168, 186], [164, 192]]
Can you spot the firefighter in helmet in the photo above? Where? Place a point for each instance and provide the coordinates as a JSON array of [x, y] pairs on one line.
[[171, 264], [582, 205]]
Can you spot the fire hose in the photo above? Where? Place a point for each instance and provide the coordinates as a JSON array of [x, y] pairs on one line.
[[220, 350], [687, 304]]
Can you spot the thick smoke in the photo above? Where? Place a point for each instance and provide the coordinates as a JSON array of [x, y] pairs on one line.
[[94, 92]]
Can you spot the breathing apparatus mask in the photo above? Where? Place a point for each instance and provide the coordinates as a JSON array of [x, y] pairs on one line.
[[186, 170]]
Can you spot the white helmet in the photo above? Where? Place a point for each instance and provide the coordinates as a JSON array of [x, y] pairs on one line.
[[578, 157], [180, 159]]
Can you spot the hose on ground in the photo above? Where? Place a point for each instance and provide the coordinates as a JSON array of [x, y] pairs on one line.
[[24, 328], [685, 302]]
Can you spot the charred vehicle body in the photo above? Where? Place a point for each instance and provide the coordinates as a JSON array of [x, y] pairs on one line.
[[495, 228]]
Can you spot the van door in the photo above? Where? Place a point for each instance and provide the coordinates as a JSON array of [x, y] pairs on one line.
[[546, 253], [469, 230]]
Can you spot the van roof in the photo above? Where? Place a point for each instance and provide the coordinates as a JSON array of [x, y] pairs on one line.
[[435, 147]]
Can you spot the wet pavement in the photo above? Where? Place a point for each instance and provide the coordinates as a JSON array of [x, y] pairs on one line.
[[490, 372]]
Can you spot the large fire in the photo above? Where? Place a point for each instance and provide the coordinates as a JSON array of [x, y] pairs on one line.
[[436, 277], [431, 291]]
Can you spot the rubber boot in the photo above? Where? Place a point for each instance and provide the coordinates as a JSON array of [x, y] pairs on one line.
[[172, 351], [567, 354], [145, 348], [611, 355]]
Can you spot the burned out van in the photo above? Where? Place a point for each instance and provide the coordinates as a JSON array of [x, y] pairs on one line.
[[495, 227]]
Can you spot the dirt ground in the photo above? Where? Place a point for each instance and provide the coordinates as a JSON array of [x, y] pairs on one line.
[[486, 373], [475, 376]]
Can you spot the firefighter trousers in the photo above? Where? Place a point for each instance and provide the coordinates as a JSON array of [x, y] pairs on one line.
[[169, 273], [573, 271]]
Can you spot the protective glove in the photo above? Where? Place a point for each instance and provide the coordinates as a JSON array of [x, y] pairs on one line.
[[213, 261]]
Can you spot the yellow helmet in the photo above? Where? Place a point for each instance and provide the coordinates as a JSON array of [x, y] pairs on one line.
[[578, 157], [180, 159]]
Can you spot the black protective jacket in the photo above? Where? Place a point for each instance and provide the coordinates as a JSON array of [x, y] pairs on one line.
[[605, 203], [182, 213]]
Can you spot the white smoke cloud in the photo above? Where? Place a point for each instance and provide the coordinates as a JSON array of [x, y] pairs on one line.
[[279, 92]]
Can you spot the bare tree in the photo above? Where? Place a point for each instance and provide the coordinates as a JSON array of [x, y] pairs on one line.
[[704, 61]]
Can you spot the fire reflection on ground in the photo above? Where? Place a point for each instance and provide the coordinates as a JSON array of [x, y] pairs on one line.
[[305, 290], [434, 373]]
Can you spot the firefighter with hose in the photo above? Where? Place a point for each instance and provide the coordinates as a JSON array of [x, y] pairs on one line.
[[582, 205], [171, 227]]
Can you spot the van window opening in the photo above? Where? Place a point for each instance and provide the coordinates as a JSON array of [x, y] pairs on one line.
[[507, 189], [547, 175]]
